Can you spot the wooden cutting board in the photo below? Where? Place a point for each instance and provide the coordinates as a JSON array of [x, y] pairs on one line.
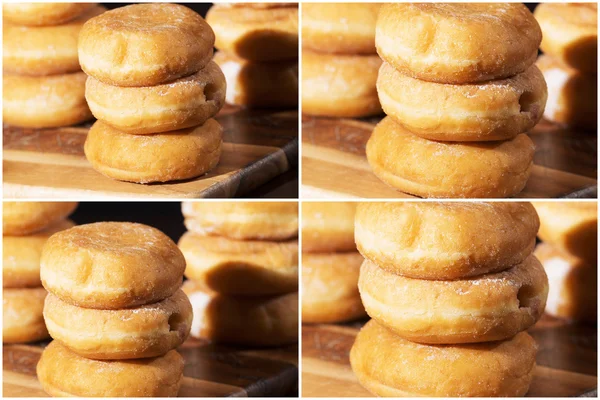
[[49, 163], [334, 163], [567, 360], [210, 371]]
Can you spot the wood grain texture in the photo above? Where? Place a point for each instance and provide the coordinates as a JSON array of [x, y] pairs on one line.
[[334, 164], [50, 163]]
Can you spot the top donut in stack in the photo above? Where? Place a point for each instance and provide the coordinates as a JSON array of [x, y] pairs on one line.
[[154, 90]]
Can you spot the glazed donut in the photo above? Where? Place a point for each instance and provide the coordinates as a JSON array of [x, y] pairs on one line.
[[22, 319], [457, 42], [21, 218], [259, 84], [389, 366], [573, 284], [169, 156], [183, 103], [42, 14], [111, 265], [242, 220], [328, 227], [329, 287], [145, 44], [446, 241], [44, 101], [343, 28], [146, 331], [21, 256], [337, 85], [570, 33], [571, 227], [63, 373], [256, 34], [572, 95], [241, 267], [441, 169], [45, 50], [495, 110], [250, 321]]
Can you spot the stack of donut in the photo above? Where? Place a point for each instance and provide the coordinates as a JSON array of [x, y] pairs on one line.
[[339, 61], [570, 62], [460, 87], [242, 265], [26, 227], [116, 311], [154, 90], [569, 253], [451, 288], [258, 52], [330, 264], [43, 83]]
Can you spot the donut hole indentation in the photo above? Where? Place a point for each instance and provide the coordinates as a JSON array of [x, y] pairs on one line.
[[525, 296], [526, 102], [210, 92], [175, 322]]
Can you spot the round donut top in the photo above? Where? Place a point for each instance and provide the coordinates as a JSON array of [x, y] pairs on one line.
[[581, 15], [193, 208], [26, 217]]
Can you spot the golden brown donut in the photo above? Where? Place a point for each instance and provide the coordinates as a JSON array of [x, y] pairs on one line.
[[63, 373], [445, 241], [330, 287], [42, 14], [44, 101], [250, 321], [145, 331], [442, 169], [21, 256], [145, 44], [570, 33], [328, 227], [258, 5], [338, 85], [259, 84], [241, 267], [495, 110], [486, 308], [389, 366], [21, 218], [457, 42], [22, 319], [260, 220], [111, 265], [256, 34], [162, 157], [343, 28]]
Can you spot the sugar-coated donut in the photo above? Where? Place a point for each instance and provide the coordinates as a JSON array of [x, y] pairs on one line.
[[21, 218], [21, 256], [328, 227], [329, 287], [145, 44], [570, 33], [259, 84], [486, 308], [251, 321], [494, 110], [256, 34], [64, 373], [22, 319], [573, 284], [243, 220], [389, 366], [572, 94], [145, 331], [42, 14], [445, 241], [162, 157], [44, 101], [337, 85], [241, 267], [457, 42], [111, 265], [444, 169], [343, 28]]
